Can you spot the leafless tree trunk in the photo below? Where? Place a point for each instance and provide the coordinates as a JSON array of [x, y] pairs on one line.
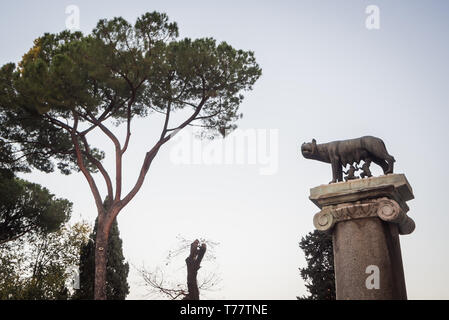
[[159, 285], [193, 263]]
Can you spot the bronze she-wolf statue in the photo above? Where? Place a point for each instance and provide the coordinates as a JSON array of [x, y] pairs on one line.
[[341, 153]]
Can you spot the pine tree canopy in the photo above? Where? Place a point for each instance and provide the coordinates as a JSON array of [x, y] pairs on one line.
[[67, 84]]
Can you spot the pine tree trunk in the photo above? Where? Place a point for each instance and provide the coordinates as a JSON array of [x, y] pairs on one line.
[[101, 248]]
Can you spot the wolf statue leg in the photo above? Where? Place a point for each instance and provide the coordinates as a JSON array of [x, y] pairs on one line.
[[336, 171], [390, 160]]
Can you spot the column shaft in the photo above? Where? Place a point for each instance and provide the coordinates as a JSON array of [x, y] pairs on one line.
[[366, 250]]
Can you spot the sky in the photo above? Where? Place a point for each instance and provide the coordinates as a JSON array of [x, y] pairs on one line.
[[325, 76]]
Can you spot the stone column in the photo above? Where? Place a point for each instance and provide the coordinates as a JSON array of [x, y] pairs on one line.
[[366, 217]]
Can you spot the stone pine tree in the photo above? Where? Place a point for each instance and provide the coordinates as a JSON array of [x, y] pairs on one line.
[[319, 274], [70, 85], [117, 287]]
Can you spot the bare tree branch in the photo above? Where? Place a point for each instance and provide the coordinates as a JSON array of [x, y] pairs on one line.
[[118, 155], [79, 158], [158, 285], [100, 167]]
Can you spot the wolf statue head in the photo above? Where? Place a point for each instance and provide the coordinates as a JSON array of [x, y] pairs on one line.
[[309, 150]]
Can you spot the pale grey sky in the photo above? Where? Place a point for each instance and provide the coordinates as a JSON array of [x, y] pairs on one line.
[[325, 75]]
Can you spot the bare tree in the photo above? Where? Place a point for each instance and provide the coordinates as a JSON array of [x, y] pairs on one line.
[[159, 285], [193, 262]]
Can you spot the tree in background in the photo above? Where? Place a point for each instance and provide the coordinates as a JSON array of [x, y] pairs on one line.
[[193, 263], [319, 274], [69, 85], [37, 247], [27, 207], [159, 285], [117, 287], [39, 266]]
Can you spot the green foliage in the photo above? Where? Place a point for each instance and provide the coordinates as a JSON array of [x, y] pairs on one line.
[[117, 72], [39, 266], [191, 69], [117, 269], [319, 273], [69, 84], [27, 207]]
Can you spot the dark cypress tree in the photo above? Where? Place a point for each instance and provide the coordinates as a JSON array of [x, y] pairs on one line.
[[319, 274], [117, 269]]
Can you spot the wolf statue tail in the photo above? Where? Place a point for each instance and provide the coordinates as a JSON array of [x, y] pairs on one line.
[[385, 148]]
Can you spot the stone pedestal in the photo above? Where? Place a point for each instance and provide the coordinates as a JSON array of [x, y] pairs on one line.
[[366, 217]]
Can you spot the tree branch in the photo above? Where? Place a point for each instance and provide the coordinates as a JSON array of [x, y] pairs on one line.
[[79, 158], [192, 117], [167, 119], [73, 131], [100, 167], [118, 155], [150, 155], [128, 127]]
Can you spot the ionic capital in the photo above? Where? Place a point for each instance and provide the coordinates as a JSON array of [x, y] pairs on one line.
[[386, 209]]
